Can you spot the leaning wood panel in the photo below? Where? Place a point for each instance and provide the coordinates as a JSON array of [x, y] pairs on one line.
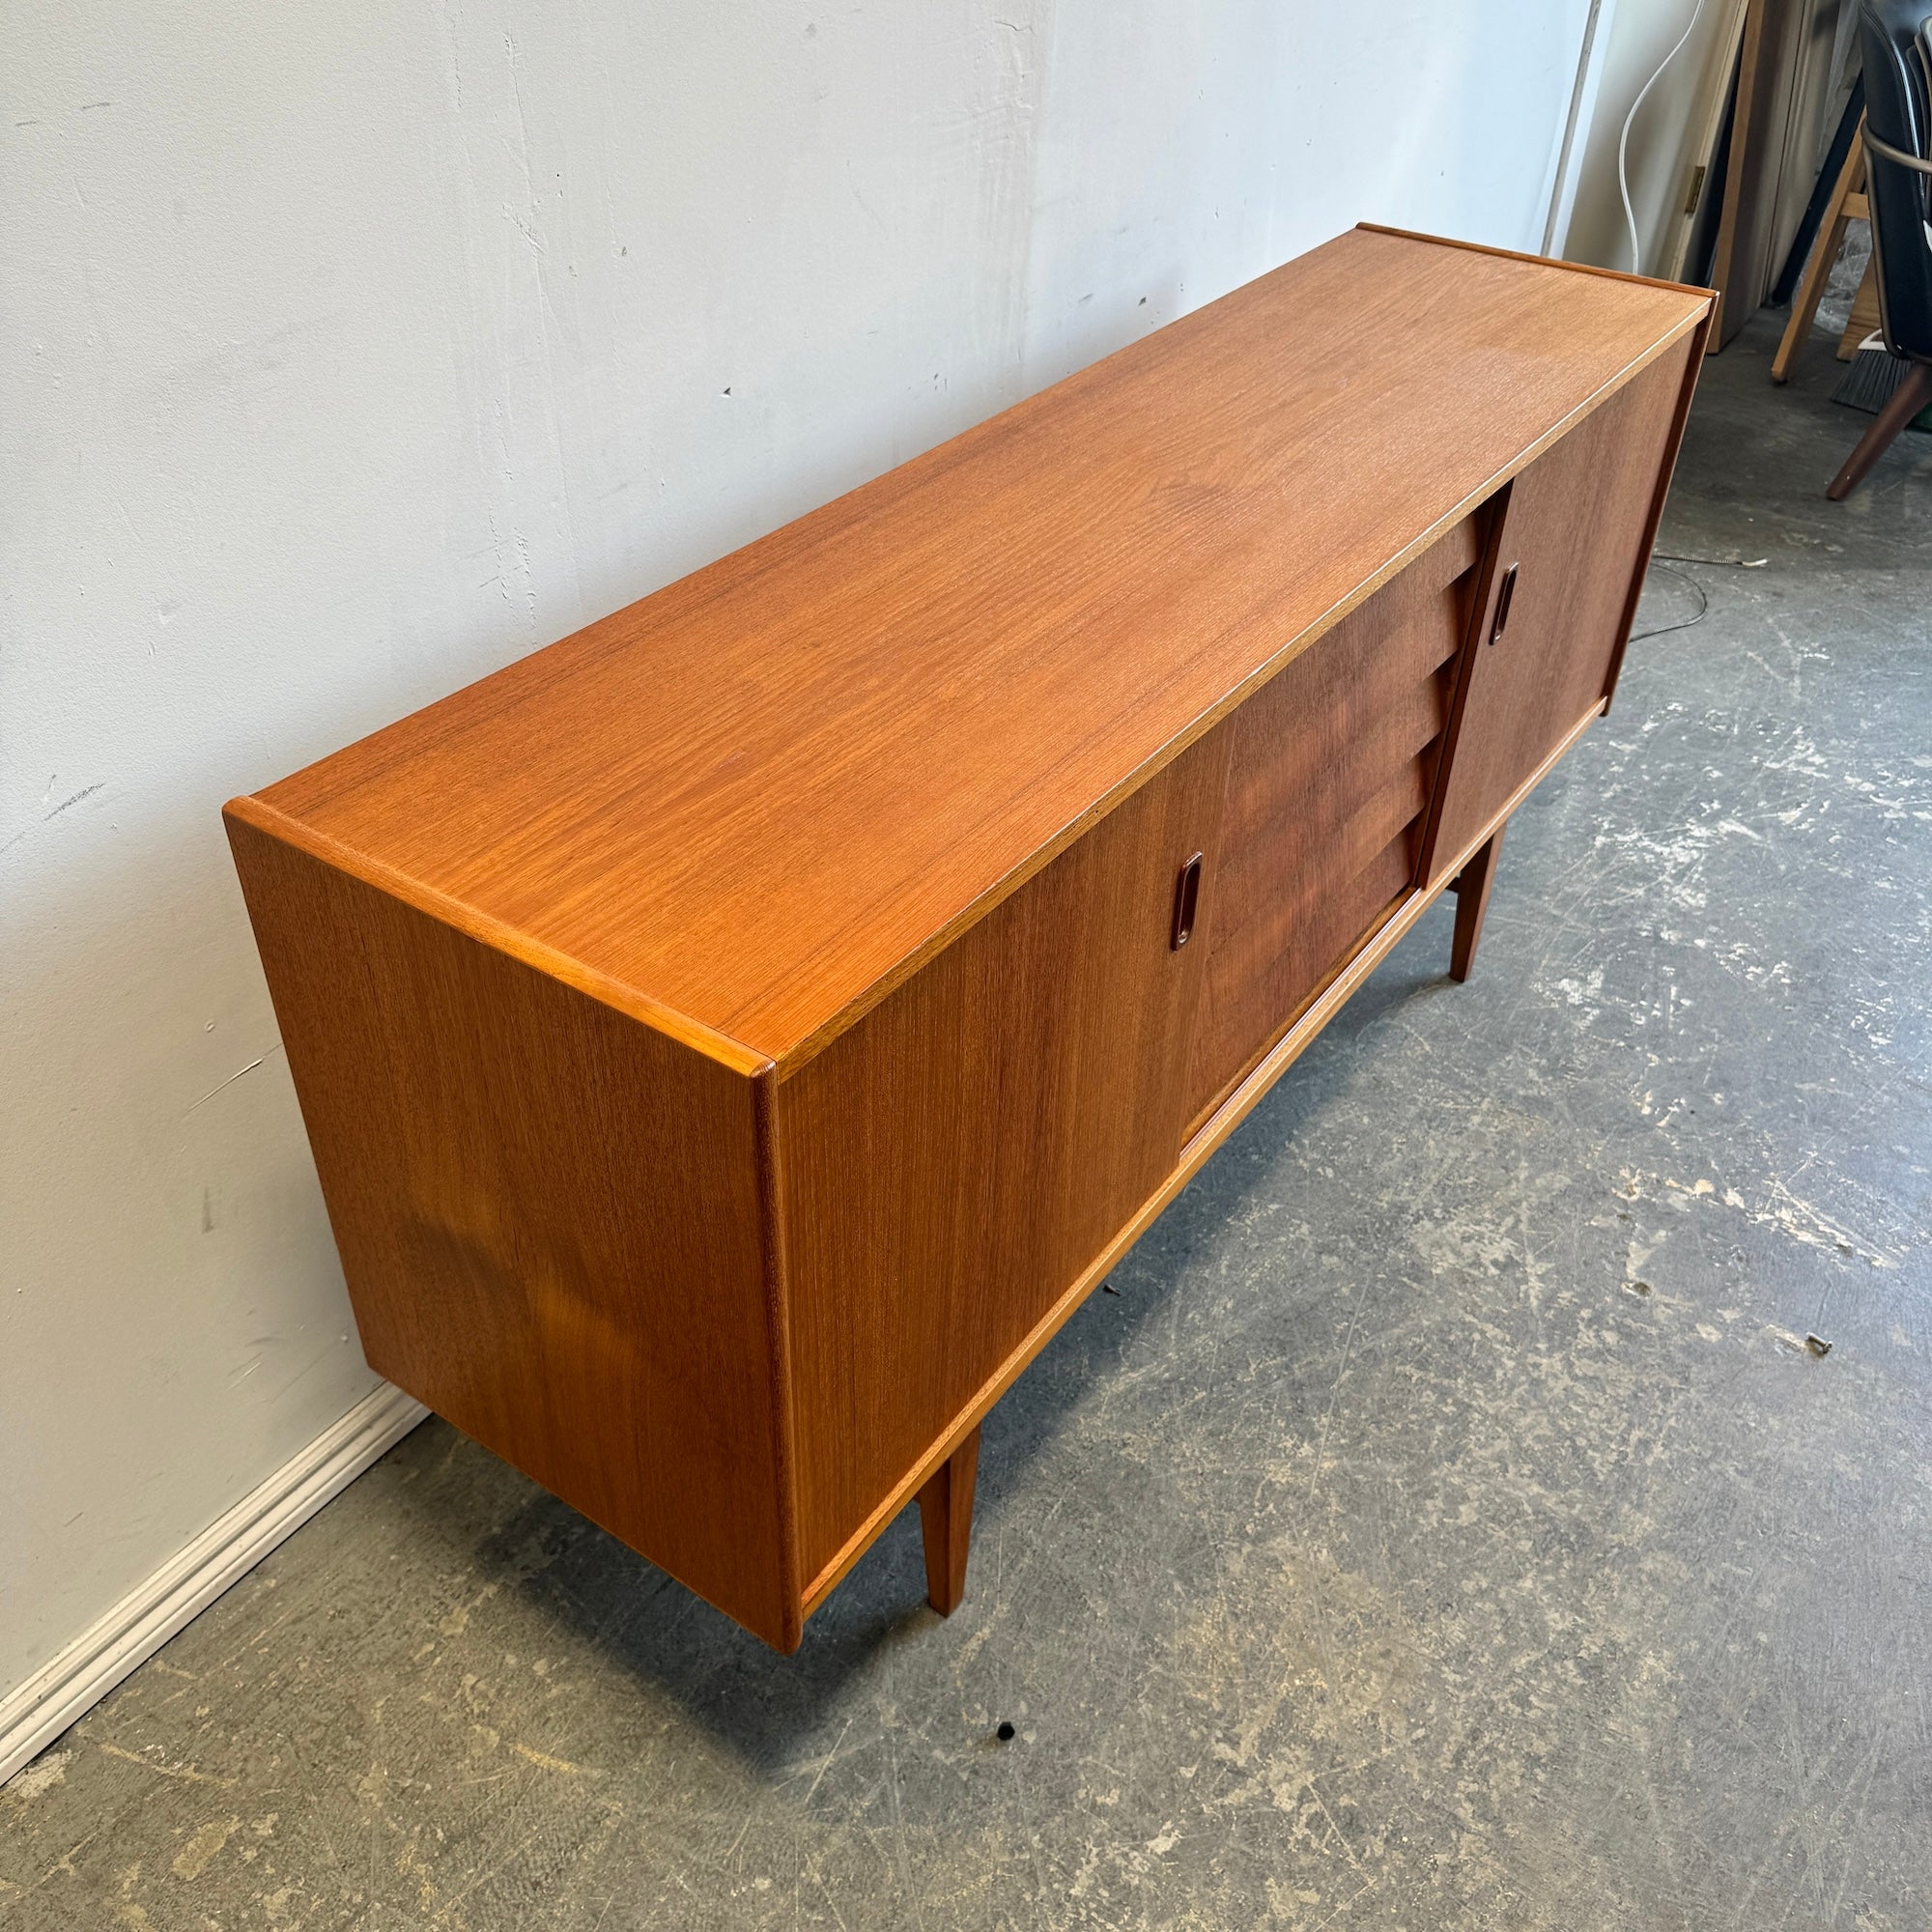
[[956, 1160], [549, 1219]]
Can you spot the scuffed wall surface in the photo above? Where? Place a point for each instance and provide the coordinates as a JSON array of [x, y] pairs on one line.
[[348, 353]]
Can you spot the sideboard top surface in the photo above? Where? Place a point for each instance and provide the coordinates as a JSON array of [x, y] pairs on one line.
[[757, 798]]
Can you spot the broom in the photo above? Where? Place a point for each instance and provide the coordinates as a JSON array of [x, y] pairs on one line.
[[1875, 372]]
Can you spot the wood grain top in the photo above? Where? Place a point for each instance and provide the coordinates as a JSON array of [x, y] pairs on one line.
[[756, 800]]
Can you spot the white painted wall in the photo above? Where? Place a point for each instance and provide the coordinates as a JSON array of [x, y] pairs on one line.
[[1637, 34], [348, 350]]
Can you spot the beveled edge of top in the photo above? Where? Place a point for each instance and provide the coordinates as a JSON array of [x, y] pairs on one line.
[[499, 934]]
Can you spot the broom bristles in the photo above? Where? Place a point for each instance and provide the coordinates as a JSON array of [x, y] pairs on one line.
[[1869, 382]]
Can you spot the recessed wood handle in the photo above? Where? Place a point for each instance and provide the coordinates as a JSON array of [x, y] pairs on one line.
[[1503, 597], [1186, 897]]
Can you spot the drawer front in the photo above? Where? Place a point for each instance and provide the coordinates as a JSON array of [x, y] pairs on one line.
[[1573, 531], [1330, 771], [952, 1164]]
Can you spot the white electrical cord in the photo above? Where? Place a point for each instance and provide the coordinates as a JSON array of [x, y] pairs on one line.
[[1623, 139]]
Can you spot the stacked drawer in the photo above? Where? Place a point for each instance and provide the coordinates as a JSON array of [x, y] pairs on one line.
[[1330, 771]]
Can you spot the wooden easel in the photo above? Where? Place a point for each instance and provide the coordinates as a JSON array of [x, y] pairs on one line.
[[1849, 203]]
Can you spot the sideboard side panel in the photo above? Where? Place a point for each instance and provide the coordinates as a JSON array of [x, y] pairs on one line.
[[954, 1162], [548, 1217]]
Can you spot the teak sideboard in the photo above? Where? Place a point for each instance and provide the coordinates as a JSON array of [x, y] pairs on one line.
[[736, 1038]]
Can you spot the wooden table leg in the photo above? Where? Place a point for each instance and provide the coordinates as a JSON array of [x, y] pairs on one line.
[[946, 1522], [1471, 886]]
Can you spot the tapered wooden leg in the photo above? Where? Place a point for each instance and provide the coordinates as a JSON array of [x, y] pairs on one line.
[[1471, 886], [1913, 392], [945, 1521]]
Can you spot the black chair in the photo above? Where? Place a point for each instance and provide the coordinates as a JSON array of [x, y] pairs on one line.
[[1897, 40]]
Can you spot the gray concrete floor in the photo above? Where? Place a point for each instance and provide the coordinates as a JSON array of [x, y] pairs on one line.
[[1444, 1527]]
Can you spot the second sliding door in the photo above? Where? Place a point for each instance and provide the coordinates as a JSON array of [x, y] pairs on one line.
[[1568, 559]]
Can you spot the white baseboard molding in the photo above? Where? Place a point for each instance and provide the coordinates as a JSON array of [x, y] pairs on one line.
[[67, 1687]]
